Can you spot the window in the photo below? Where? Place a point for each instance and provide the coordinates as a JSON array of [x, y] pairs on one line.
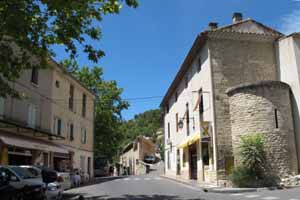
[[1, 107], [83, 105], [199, 64], [177, 122], [276, 118], [83, 135], [82, 163], [71, 98], [57, 84], [169, 130], [176, 96], [58, 126], [167, 108], [186, 81], [201, 105], [71, 133], [187, 120], [35, 75], [31, 116]]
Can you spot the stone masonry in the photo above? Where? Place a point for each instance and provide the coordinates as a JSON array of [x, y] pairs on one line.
[[265, 107]]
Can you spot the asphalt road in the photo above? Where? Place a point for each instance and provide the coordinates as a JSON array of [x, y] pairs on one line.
[[152, 186]]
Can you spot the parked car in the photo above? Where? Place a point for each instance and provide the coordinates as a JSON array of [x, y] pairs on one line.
[[150, 158], [54, 190], [21, 179], [7, 191]]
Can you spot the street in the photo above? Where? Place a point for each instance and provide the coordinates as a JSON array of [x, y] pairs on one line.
[[152, 186]]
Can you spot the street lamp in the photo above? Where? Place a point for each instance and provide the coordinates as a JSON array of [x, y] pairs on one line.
[[180, 123]]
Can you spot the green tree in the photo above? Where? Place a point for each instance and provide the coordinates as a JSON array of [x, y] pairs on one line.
[[146, 124], [108, 107], [29, 28]]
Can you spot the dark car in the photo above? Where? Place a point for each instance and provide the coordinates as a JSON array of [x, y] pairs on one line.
[[7, 191], [151, 158], [32, 188]]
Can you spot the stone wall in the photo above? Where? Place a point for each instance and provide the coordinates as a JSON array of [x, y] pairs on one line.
[[234, 62], [252, 109]]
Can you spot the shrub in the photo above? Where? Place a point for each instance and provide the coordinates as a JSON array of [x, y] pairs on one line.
[[252, 153], [243, 177], [251, 173]]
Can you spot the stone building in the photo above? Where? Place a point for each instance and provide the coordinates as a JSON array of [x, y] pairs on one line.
[[133, 155], [53, 125], [231, 84]]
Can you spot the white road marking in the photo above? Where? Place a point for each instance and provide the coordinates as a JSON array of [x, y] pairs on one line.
[[237, 194], [126, 179], [147, 179], [252, 196], [136, 179], [270, 198], [157, 178]]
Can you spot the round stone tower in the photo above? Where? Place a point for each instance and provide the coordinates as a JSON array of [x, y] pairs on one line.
[[265, 108]]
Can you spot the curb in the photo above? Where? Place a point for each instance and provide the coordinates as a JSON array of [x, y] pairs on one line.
[[230, 190]]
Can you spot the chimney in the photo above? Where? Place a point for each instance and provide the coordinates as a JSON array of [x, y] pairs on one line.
[[213, 25], [237, 17]]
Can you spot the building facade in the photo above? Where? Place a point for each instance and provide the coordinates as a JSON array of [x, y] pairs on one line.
[[52, 125], [134, 153], [202, 120]]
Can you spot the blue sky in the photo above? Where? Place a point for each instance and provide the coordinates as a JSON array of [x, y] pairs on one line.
[[145, 46]]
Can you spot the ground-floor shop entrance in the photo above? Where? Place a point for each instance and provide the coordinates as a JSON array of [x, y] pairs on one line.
[[193, 161]]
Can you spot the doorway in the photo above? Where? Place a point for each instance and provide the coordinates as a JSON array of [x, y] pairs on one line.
[[193, 161], [205, 159]]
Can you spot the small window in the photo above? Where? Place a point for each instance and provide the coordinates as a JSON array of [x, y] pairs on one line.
[[71, 129], [177, 126], [167, 108], [169, 131], [57, 84], [71, 98], [199, 64], [176, 96], [276, 118], [58, 126], [31, 115], [35, 75], [83, 105], [186, 81], [83, 135], [187, 120]]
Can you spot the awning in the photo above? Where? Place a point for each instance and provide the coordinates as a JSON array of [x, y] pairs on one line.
[[190, 140], [31, 144]]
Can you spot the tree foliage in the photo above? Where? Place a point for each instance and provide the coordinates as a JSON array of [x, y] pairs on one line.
[[146, 124], [108, 108], [29, 28]]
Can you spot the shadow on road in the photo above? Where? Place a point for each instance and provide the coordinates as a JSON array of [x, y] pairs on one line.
[[139, 197]]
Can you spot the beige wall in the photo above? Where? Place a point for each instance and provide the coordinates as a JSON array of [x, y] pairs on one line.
[[60, 108], [288, 58]]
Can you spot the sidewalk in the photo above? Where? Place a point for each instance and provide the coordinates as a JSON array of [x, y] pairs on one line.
[[217, 189]]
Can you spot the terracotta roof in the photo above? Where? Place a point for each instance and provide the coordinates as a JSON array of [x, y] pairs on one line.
[[199, 42]]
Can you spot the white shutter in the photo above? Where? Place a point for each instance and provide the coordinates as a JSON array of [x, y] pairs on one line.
[[1, 107], [33, 116]]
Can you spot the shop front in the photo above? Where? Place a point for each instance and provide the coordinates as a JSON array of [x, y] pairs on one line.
[[22, 150]]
